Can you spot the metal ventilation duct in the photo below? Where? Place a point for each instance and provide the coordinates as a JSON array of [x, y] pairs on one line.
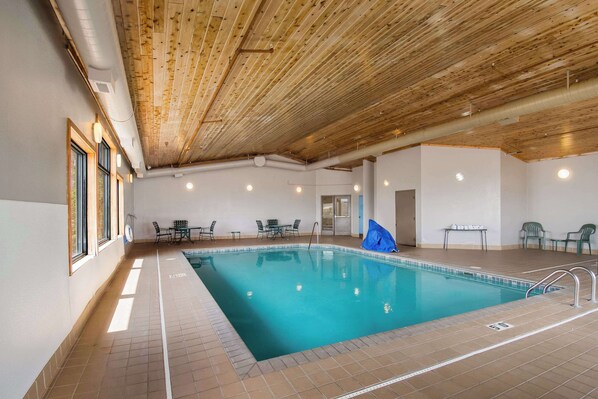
[[92, 26]]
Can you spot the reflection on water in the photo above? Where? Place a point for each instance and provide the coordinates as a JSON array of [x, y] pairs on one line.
[[287, 301]]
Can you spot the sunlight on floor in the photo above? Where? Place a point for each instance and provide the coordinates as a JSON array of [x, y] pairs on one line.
[[122, 315]]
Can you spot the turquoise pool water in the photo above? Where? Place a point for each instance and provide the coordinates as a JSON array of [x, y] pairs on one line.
[[286, 301]]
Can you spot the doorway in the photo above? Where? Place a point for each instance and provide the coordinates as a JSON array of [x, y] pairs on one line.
[[405, 217], [336, 215]]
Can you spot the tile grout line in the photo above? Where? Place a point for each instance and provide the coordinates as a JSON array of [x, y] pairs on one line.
[[163, 328], [462, 357]]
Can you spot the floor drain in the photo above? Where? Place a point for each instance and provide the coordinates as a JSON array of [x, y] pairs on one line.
[[177, 275], [499, 326]]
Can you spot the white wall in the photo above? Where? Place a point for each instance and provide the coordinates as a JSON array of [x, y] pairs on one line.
[[41, 88], [222, 196], [513, 198], [356, 179], [402, 169], [475, 200], [564, 205]]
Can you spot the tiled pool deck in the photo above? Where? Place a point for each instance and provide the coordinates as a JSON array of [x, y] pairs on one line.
[[208, 360]]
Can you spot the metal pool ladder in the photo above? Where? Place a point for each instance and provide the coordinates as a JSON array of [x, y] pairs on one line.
[[312, 235], [559, 274]]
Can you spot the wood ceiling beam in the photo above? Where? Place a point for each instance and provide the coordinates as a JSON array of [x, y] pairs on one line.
[[231, 63]]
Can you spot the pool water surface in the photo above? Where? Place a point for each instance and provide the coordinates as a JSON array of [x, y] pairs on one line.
[[291, 300]]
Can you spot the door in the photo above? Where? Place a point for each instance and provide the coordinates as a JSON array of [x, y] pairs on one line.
[[327, 215], [342, 215], [361, 216], [405, 217]]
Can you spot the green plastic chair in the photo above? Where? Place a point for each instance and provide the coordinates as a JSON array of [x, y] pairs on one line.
[[535, 231], [583, 236]]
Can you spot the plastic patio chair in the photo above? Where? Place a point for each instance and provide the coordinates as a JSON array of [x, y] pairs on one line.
[[534, 231], [581, 236], [161, 233]]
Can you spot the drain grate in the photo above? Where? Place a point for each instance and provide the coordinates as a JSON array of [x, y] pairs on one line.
[[177, 275], [499, 326]]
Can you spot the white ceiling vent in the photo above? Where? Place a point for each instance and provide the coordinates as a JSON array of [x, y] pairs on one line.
[[101, 80]]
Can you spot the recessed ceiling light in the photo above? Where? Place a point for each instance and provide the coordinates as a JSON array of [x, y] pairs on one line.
[[298, 189], [459, 176], [386, 183], [189, 186], [249, 187]]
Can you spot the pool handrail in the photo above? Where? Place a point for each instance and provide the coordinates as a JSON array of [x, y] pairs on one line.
[[312, 235], [592, 276], [562, 273]]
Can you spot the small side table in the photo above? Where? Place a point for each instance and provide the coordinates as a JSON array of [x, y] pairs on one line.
[[483, 238], [555, 243], [236, 235]]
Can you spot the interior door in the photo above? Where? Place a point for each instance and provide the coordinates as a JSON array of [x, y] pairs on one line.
[[405, 217], [360, 215], [342, 215], [327, 215]]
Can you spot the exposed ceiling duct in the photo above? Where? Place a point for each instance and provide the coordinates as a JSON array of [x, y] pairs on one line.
[[528, 105], [91, 24], [508, 112]]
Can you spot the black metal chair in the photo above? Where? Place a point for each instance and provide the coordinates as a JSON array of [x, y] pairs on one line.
[[261, 230], [161, 233], [295, 229], [271, 222], [208, 231], [180, 229]]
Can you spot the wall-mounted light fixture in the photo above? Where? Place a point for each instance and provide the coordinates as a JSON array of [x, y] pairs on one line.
[[130, 178], [119, 160], [249, 187], [189, 186], [299, 189], [386, 183], [97, 130], [356, 188], [563, 173], [459, 176]]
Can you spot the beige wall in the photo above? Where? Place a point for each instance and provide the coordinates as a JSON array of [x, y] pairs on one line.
[[41, 88]]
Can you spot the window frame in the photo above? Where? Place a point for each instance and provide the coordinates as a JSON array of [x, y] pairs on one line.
[[76, 136], [105, 173], [82, 189], [120, 205]]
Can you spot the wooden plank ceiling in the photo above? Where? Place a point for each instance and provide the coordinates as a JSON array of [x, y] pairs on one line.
[[222, 79]]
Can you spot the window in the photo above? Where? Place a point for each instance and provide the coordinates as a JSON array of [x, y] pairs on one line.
[[104, 200], [78, 205], [120, 205], [81, 196]]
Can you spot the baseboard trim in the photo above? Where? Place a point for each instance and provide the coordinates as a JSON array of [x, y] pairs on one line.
[[43, 381], [225, 237], [468, 246]]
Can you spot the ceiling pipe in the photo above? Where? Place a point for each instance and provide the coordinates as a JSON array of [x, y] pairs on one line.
[[532, 104], [93, 29], [528, 105], [198, 168]]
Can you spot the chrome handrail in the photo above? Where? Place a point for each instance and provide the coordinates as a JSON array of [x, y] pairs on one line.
[[592, 276], [562, 273], [312, 235]]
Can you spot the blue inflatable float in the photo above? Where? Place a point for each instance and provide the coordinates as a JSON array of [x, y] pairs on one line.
[[378, 239]]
